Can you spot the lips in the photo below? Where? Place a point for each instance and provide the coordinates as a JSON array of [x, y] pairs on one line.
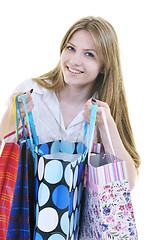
[[74, 70]]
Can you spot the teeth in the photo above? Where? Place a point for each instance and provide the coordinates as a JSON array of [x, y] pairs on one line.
[[73, 70]]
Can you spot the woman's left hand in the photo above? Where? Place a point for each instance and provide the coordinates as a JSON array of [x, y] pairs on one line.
[[117, 144], [99, 119]]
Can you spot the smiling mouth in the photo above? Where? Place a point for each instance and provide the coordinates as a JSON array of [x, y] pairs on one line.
[[75, 71]]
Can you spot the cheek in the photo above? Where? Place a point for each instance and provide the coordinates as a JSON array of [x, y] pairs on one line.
[[94, 67], [63, 58], [61, 64], [94, 71]]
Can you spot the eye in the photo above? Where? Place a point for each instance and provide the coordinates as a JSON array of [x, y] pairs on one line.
[[70, 48], [89, 54]]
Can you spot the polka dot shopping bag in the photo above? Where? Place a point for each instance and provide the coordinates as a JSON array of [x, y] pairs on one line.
[[59, 177]]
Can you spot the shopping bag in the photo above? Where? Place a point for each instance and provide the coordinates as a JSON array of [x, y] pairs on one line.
[[9, 157], [59, 174], [14, 206], [23, 210], [107, 206], [18, 227], [8, 171]]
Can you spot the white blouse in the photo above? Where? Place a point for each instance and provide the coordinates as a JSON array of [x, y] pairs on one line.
[[48, 117]]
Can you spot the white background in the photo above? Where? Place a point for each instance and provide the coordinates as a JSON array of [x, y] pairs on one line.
[[30, 36]]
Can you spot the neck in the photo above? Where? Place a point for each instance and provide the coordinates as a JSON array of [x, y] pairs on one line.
[[74, 95]]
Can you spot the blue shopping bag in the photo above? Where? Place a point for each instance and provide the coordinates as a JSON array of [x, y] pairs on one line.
[[59, 188], [59, 176]]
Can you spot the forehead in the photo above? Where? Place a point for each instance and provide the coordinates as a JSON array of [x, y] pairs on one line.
[[83, 38]]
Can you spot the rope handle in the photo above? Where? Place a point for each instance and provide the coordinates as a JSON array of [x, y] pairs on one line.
[[91, 128], [107, 133], [15, 115]]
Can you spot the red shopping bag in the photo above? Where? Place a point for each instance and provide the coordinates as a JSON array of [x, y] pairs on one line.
[[9, 157], [8, 172], [15, 156]]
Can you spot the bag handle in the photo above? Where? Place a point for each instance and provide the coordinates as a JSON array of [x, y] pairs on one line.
[[28, 124], [91, 128], [29, 118], [33, 129], [107, 130], [31, 125], [22, 120], [15, 115], [107, 133]]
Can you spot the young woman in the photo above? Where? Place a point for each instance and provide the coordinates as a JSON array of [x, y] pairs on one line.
[[88, 72]]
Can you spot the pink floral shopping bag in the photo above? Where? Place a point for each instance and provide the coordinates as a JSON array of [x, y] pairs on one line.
[[108, 211]]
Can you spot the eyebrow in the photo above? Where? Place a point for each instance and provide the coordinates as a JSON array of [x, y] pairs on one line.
[[84, 49]]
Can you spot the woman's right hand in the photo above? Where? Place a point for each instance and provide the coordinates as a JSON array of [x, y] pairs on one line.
[[6, 116], [28, 99]]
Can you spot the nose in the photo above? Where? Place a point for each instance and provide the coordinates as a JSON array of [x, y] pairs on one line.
[[76, 59]]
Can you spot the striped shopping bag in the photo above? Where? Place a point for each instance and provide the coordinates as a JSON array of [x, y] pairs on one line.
[[8, 172], [19, 225], [107, 211], [14, 193]]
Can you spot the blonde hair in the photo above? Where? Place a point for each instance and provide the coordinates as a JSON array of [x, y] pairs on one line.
[[108, 84]]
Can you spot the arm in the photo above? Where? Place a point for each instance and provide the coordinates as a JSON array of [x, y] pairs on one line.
[[119, 148]]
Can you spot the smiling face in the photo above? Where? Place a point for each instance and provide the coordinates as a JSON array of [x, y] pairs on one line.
[[80, 62]]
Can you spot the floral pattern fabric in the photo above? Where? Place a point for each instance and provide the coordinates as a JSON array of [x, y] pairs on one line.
[[108, 213]]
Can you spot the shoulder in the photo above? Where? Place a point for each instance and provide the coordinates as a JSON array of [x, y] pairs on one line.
[[29, 84], [39, 92]]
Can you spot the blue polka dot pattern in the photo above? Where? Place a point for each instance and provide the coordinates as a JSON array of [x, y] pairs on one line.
[[38, 236], [71, 203], [75, 219], [71, 224], [43, 194], [56, 237], [76, 234], [60, 197], [79, 193], [64, 222], [43, 150], [55, 147], [68, 175], [67, 147], [80, 172], [80, 148], [36, 188], [35, 164], [53, 171], [37, 212], [75, 176], [58, 191]]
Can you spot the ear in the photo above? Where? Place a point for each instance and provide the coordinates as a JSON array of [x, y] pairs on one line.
[[102, 69]]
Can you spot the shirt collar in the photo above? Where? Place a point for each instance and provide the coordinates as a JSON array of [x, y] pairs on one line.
[[51, 100]]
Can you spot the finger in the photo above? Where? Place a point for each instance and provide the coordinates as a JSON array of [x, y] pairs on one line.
[[22, 115], [99, 112], [14, 95], [100, 103], [86, 114], [28, 96], [22, 110], [29, 107]]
